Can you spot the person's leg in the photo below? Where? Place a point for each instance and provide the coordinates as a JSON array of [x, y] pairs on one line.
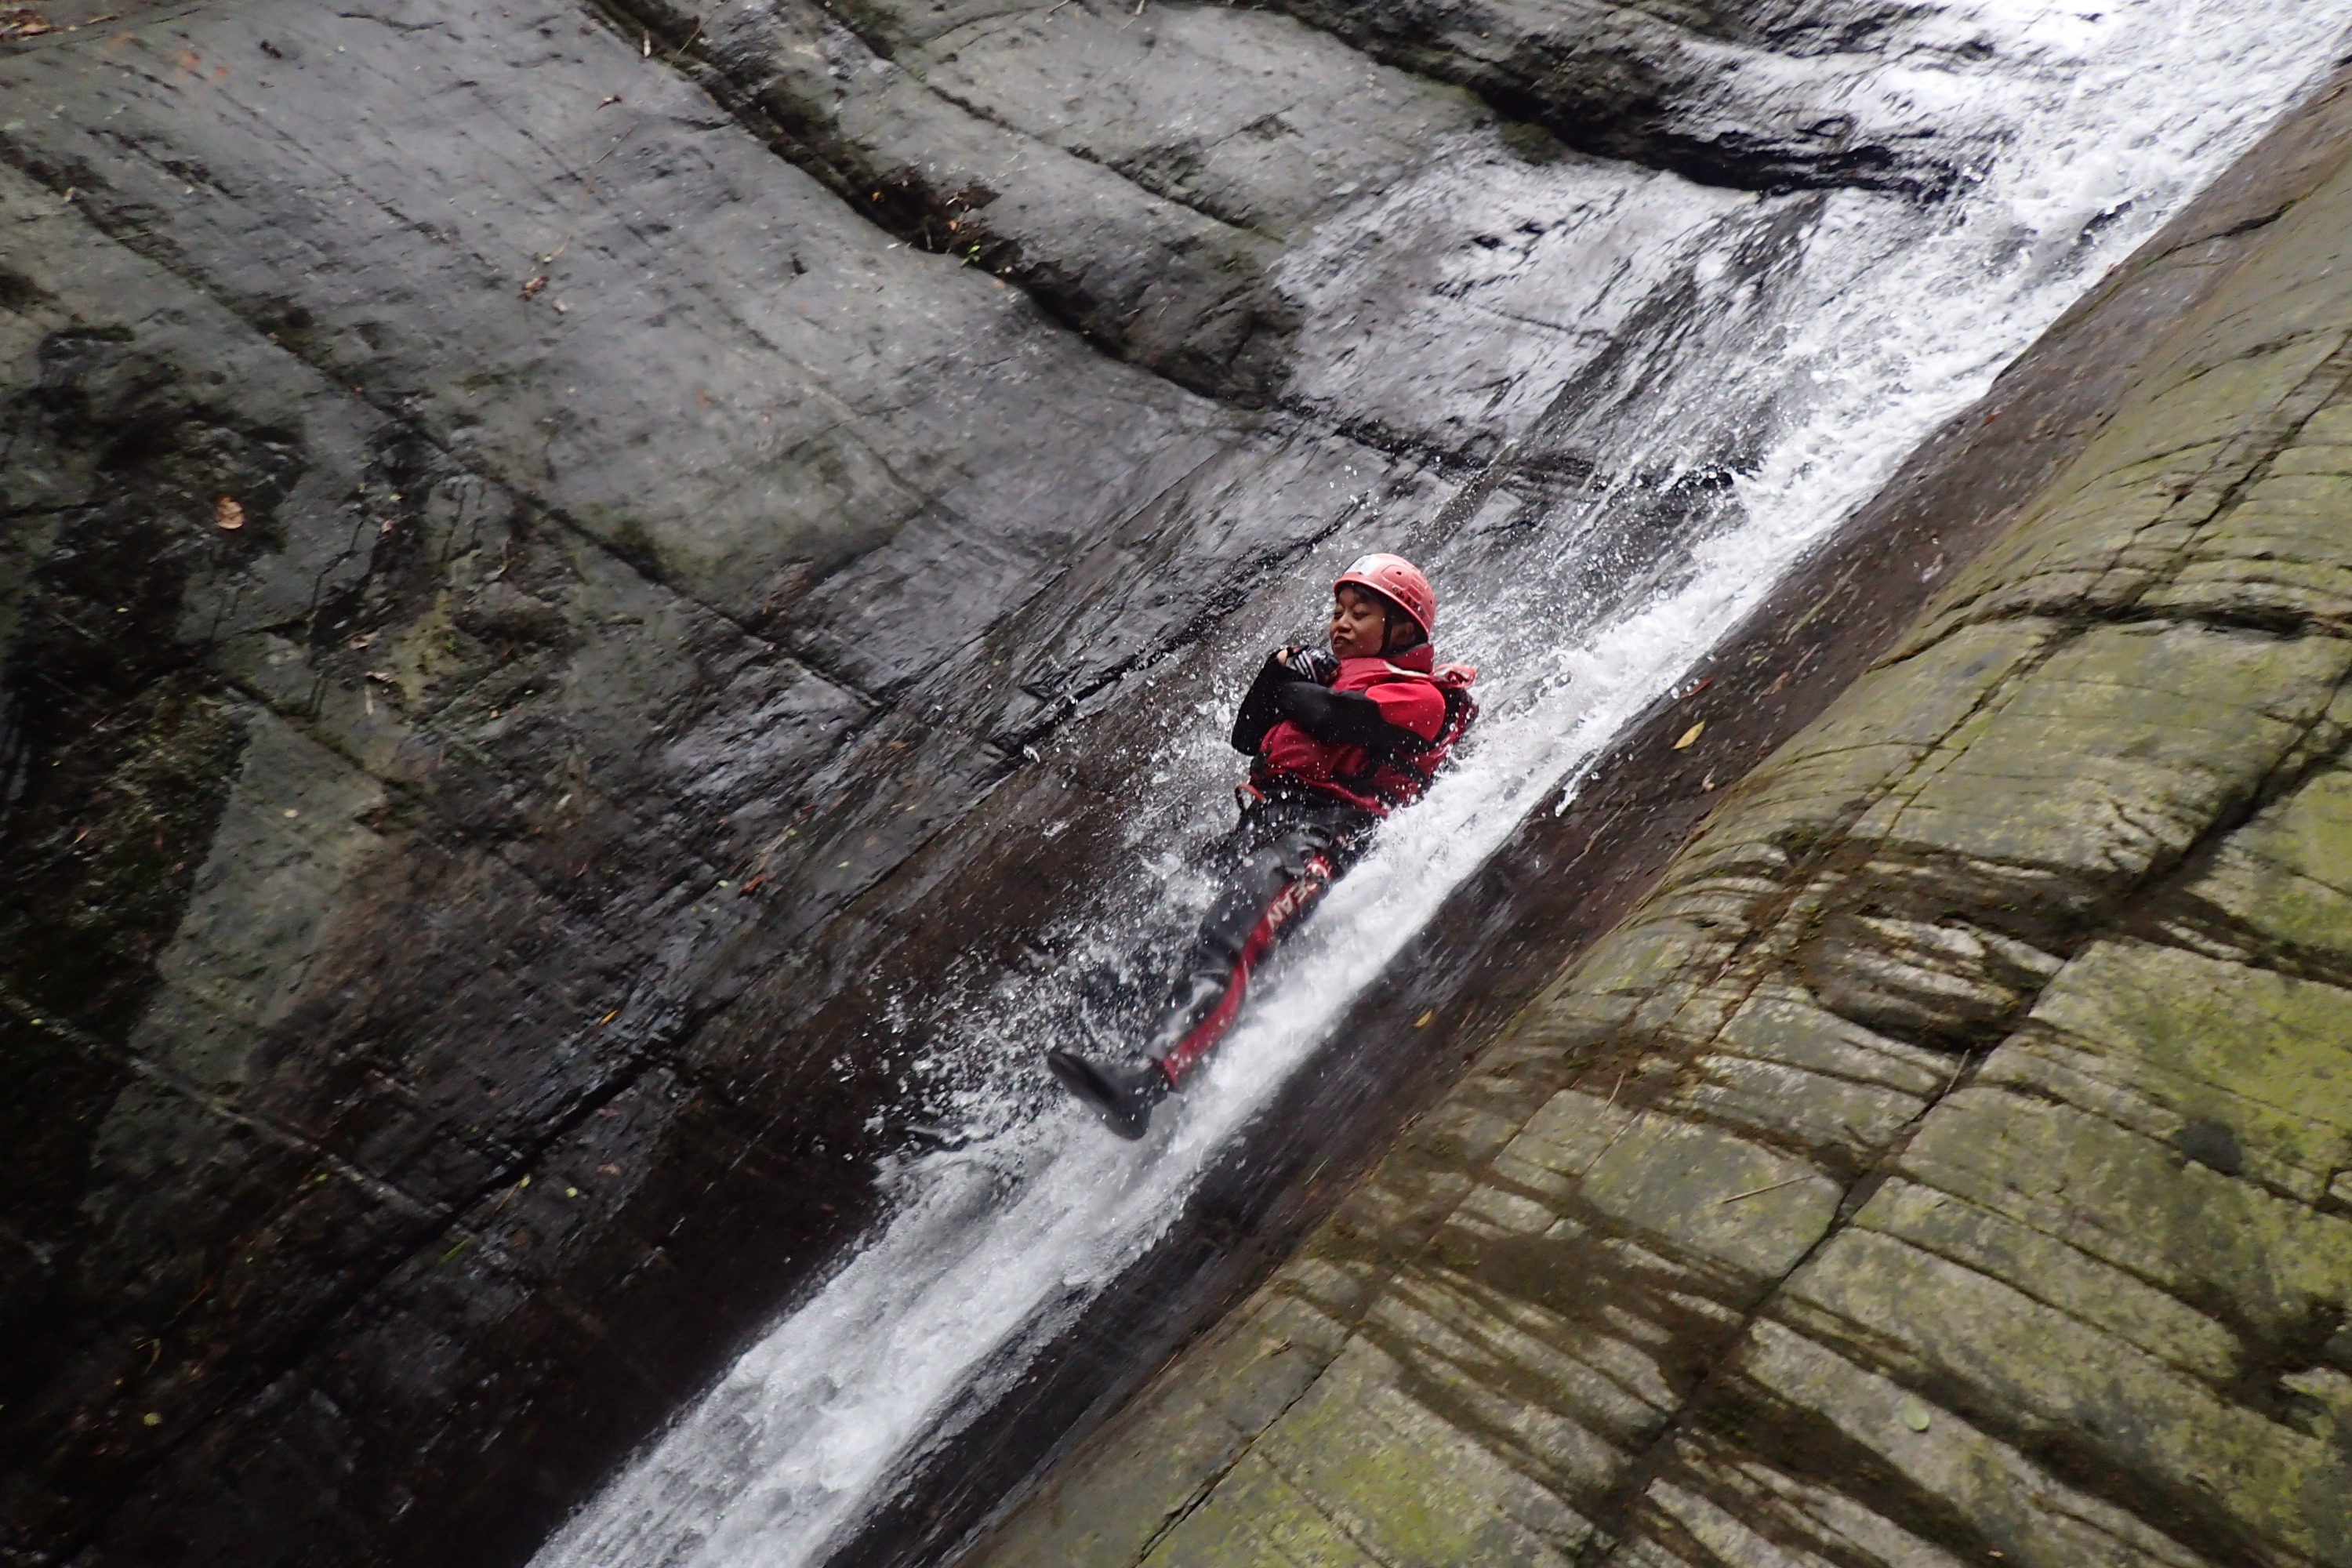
[[1276, 865], [1123, 1091], [1293, 857]]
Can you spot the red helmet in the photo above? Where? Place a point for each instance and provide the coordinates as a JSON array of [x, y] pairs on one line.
[[1398, 580]]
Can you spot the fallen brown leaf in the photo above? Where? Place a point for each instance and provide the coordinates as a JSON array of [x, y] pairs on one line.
[[227, 512]]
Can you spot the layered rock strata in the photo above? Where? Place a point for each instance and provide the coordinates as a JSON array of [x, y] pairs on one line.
[[1950, 1160], [542, 609], [1766, 96], [1142, 182]]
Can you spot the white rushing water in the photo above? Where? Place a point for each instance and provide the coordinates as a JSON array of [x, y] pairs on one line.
[[1876, 318]]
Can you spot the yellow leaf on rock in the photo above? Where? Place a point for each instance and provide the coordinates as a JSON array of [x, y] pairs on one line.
[[1689, 735]]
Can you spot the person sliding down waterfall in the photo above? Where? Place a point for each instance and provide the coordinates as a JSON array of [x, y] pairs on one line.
[[1339, 740]]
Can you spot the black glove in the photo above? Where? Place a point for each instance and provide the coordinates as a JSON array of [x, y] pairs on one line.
[[1286, 670], [1313, 664]]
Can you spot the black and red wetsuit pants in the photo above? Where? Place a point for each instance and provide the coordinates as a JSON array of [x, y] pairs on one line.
[[1272, 868]]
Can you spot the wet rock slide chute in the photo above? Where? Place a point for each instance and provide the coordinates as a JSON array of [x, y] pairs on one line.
[[602, 616]]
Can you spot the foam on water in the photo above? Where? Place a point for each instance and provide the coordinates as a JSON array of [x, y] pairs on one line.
[[1891, 317]]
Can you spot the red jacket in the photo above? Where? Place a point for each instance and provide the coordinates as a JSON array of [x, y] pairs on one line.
[[1411, 697]]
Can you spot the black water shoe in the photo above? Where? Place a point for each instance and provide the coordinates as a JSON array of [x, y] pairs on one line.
[[1123, 1095]]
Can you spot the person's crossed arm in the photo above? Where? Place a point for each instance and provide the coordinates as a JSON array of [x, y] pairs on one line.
[[1395, 715]]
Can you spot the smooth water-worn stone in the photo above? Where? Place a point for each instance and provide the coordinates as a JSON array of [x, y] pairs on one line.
[[1734, 92], [961, 163]]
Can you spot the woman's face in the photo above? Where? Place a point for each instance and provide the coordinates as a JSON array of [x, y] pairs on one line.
[[1359, 624]]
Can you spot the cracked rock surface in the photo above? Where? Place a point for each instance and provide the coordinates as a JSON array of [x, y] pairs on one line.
[[558, 558], [1950, 1160]]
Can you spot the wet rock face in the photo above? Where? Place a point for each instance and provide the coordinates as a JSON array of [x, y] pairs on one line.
[[1703, 89], [558, 559], [1946, 1162], [1142, 178]]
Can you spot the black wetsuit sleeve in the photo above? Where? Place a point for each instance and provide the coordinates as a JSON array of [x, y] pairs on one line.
[[1343, 718], [1261, 709]]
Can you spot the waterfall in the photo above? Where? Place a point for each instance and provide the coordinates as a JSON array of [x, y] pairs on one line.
[[1726, 375]]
